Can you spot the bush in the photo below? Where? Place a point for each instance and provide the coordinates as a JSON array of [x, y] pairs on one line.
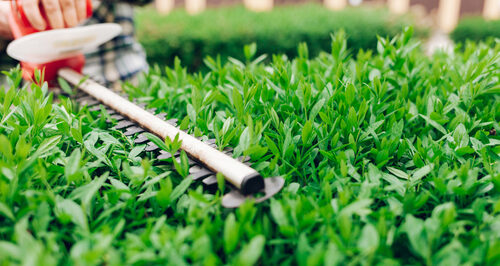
[[476, 29], [224, 31], [389, 159]]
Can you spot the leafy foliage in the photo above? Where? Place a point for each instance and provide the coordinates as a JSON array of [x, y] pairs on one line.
[[389, 158], [223, 31]]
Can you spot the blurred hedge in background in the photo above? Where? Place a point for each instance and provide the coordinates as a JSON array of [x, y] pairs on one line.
[[225, 30], [6, 62], [476, 29]]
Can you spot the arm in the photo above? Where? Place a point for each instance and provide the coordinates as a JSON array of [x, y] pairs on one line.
[[4, 22]]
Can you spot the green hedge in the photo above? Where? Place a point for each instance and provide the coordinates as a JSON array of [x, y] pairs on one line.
[[476, 29], [390, 158], [225, 30]]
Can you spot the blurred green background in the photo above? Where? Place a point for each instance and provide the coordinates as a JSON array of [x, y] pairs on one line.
[[224, 31]]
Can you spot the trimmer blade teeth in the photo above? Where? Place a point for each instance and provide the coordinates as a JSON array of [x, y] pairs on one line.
[[244, 159], [197, 171], [201, 174], [196, 168], [133, 130], [210, 182], [92, 103], [88, 102], [96, 108], [117, 117], [235, 198], [85, 98], [173, 122], [80, 94], [151, 147], [124, 124], [210, 141], [161, 115], [141, 139], [167, 155]]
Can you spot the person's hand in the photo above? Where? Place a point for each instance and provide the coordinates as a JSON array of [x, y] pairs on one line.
[[60, 13]]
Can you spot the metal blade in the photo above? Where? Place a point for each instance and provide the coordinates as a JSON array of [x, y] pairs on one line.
[[235, 198]]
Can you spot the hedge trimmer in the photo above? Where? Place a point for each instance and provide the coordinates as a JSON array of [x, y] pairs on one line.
[[59, 53]]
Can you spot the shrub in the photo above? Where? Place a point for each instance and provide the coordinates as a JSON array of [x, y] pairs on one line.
[[476, 29], [224, 31], [389, 158]]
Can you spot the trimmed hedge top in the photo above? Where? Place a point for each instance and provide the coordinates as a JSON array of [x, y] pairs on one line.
[[476, 29], [224, 31]]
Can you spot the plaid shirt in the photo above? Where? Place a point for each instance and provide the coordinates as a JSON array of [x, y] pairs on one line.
[[121, 58]]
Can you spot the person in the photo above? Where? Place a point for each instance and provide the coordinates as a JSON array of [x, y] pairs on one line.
[[120, 59]]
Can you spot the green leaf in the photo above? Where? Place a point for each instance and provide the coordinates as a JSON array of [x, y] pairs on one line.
[[182, 167], [352, 118], [464, 151], [42, 218], [164, 194], [278, 213], [90, 144], [46, 147], [77, 134], [237, 101], [87, 192], [350, 94], [65, 86], [6, 211], [420, 173], [272, 146], [72, 168], [434, 124], [68, 210], [316, 109], [256, 152], [117, 184], [135, 152], [251, 252], [249, 51], [180, 189], [369, 241], [398, 173], [221, 182], [157, 141], [414, 228], [9, 250], [359, 207], [231, 234], [306, 132], [245, 139], [184, 123]]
